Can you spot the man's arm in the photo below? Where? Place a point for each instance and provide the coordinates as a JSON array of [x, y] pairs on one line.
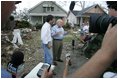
[[54, 32], [103, 57]]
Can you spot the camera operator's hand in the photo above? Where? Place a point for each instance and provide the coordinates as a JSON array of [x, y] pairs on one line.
[[47, 74], [109, 43]]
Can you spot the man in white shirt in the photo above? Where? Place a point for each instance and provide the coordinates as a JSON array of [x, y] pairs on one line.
[[47, 39], [86, 28], [85, 32]]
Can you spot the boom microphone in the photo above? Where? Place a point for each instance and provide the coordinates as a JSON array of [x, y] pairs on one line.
[[72, 4]]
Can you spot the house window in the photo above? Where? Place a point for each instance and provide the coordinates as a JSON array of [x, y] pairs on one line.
[[44, 9], [48, 9], [52, 8], [44, 19]]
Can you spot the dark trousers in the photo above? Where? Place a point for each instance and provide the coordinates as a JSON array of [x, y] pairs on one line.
[[57, 49]]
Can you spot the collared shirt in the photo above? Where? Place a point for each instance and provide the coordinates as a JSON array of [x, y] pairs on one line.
[[46, 33], [55, 30]]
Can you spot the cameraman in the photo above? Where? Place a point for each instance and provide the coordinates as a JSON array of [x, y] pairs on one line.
[[96, 41], [104, 57]]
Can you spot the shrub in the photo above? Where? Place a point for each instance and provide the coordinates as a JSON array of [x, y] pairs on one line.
[[38, 26], [23, 24], [67, 26]]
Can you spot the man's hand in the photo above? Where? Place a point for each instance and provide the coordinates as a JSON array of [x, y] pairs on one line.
[[58, 33], [110, 40], [49, 45]]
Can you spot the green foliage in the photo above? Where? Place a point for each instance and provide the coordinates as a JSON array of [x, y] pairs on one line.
[[38, 26], [68, 38], [91, 48], [23, 24], [67, 26], [93, 45]]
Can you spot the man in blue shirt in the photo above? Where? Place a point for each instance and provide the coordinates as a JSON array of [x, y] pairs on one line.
[[57, 35]]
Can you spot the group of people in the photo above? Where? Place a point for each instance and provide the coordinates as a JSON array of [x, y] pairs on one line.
[[97, 64], [104, 57], [52, 37], [84, 32], [85, 28]]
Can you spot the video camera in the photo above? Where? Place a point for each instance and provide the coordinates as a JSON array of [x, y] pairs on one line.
[[99, 23]]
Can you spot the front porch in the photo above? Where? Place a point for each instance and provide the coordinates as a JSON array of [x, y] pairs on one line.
[[41, 19]]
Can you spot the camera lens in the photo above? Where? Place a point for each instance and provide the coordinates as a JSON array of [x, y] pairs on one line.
[[99, 22]]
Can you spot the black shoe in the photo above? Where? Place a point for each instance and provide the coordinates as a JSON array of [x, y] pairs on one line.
[[55, 63], [59, 60]]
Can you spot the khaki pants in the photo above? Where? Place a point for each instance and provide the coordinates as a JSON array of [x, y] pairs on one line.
[[57, 49]]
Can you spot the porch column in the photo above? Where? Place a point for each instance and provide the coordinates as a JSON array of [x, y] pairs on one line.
[[81, 21], [42, 20], [30, 20]]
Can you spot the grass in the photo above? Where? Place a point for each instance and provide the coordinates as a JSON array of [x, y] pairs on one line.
[[68, 38]]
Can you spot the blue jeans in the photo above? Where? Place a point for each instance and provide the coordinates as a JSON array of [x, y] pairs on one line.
[[47, 54]]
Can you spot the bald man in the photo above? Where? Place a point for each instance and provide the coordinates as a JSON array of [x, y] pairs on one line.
[[57, 35]]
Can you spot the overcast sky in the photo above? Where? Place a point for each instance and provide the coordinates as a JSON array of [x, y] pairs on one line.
[[65, 4]]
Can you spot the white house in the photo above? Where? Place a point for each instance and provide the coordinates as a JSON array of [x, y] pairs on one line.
[[39, 12]]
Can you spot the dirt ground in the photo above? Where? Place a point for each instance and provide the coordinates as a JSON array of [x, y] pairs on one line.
[[34, 55]]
